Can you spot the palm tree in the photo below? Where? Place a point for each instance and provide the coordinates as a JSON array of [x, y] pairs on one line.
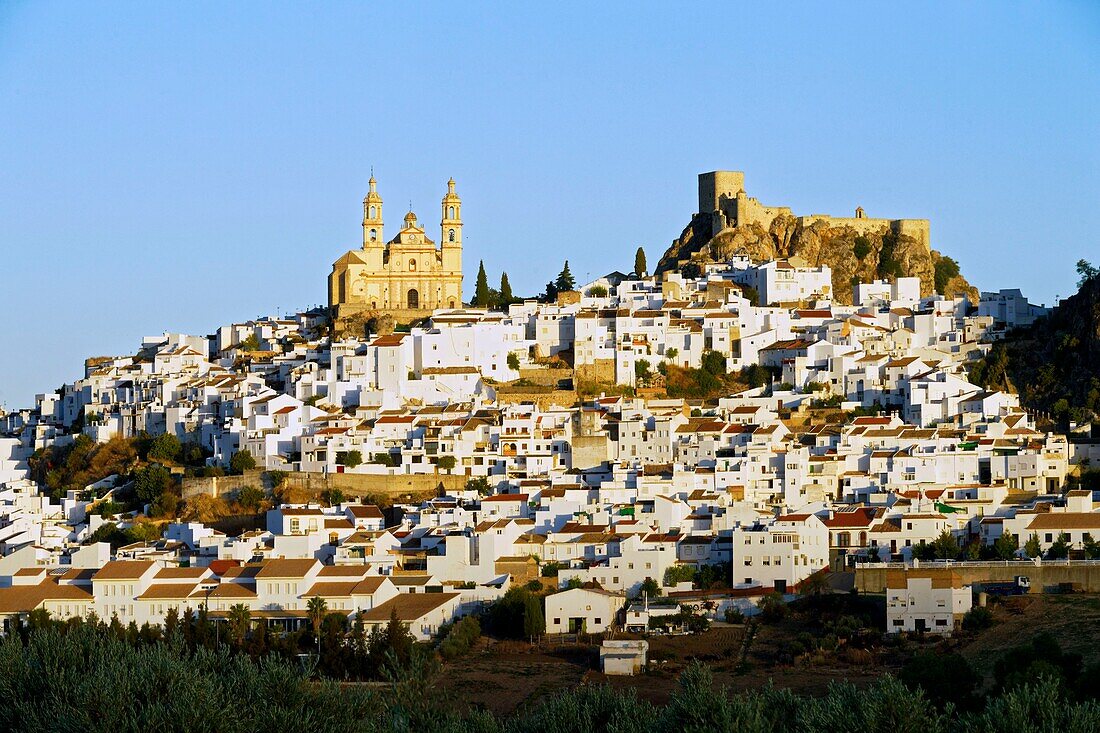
[[239, 617], [316, 610]]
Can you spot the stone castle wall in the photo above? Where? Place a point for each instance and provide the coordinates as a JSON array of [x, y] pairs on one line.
[[722, 196], [1045, 576], [355, 485], [600, 370]]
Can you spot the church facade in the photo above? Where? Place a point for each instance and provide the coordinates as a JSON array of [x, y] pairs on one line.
[[407, 277]]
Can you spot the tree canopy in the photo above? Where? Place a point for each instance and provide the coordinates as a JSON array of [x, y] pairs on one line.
[[482, 295], [565, 279]]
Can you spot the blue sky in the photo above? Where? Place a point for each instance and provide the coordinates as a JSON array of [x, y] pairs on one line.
[[179, 166]]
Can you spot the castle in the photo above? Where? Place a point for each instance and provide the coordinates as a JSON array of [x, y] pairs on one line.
[[722, 196], [407, 277]]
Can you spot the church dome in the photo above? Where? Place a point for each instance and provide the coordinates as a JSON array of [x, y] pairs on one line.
[[410, 219]]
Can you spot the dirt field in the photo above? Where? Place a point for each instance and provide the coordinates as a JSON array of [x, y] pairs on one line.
[[504, 676]]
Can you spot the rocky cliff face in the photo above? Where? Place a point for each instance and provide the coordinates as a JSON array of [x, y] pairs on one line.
[[850, 255]]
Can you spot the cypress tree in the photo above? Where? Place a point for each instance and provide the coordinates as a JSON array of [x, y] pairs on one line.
[[534, 621], [639, 262], [482, 296], [505, 290], [565, 279]]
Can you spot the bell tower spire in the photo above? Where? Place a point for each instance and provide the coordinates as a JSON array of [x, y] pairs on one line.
[[451, 229], [372, 216]]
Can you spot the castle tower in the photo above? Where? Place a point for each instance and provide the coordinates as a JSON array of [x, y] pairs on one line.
[[451, 230]]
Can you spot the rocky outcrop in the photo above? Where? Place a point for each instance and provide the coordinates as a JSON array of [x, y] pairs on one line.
[[850, 255], [364, 323]]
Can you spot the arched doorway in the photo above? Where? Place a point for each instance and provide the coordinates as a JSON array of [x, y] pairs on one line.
[[414, 299]]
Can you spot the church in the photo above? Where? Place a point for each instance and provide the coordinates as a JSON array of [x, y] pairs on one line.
[[407, 277]]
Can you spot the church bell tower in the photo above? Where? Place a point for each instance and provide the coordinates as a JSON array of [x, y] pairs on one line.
[[451, 230], [372, 217], [373, 240]]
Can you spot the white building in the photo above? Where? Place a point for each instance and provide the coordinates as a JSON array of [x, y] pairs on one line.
[[582, 610], [780, 555], [932, 601]]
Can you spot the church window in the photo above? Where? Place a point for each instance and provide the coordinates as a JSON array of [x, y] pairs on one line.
[[451, 235], [373, 235], [412, 265], [450, 212], [372, 214], [414, 299]]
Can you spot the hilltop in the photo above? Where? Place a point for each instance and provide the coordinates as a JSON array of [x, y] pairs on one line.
[[851, 255], [857, 249]]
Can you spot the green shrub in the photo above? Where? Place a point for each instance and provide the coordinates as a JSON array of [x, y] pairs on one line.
[[733, 615], [861, 247], [151, 481], [977, 618], [107, 508], [480, 484], [166, 505], [679, 574], [772, 608], [460, 637], [250, 497], [597, 291], [349, 459], [242, 461], [945, 269], [165, 447]]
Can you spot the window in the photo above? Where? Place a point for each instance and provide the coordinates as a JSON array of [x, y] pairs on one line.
[[451, 235], [374, 235], [412, 265], [597, 620], [451, 215], [372, 215], [557, 622]]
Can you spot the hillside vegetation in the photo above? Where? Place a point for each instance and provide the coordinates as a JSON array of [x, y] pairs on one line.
[[90, 681], [1054, 365]]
